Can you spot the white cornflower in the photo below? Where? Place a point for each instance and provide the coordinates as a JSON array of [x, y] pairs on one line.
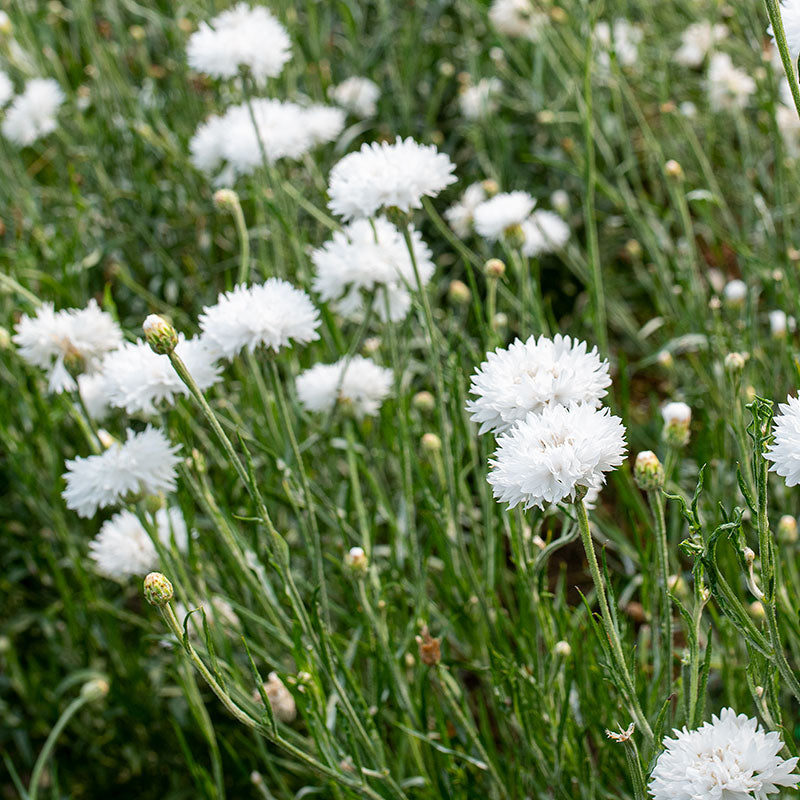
[[556, 455], [506, 210], [358, 95], [144, 464], [285, 130], [382, 175], [790, 16], [778, 323], [123, 548], [697, 41], [544, 232], [240, 37], [729, 758], [479, 100], [461, 214], [32, 114], [364, 256], [358, 383], [139, 380], [729, 88], [622, 38], [272, 314], [517, 18], [735, 292], [532, 376], [784, 452], [6, 88], [80, 335], [676, 413]]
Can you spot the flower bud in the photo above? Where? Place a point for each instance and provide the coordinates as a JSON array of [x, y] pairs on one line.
[[356, 560], [5, 338], [673, 169], [430, 651], [665, 359], [756, 610], [515, 236], [495, 268], [458, 292], [787, 529], [735, 293], [95, 689], [280, 698], [633, 249], [226, 199], [677, 419], [562, 649], [159, 334], [490, 186], [647, 471], [734, 363], [560, 201], [777, 323], [431, 443], [157, 589], [499, 321], [424, 401]]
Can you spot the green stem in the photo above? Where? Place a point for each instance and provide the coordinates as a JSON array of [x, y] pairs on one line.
[[662, 546], [774, 13]]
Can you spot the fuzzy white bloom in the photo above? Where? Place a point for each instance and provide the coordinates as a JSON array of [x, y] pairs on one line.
[[144, 464], [735, 292], [6, 88], [461, 214], [729, 88], [729, 758], [48, 338], [232, 143], [778, 323], [506, 210], [531, 376], [139, 380], [272, 314], [556, 455], [361, 258], [32, 114], [622, 38], [123, 548], [697, 41], [382, 175], [240, 37], [479, 100], [676, 413], [544, 232], [94, 395], [790, 16], [517, 18], [358, 383], [784, 453], [358, 95]]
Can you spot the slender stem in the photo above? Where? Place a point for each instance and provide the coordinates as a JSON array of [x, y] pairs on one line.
[[774, 12], [244, 241], [662, 546]]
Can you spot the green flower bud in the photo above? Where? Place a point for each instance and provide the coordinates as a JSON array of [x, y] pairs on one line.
[[157, 589], [160, 334], [647, 471]]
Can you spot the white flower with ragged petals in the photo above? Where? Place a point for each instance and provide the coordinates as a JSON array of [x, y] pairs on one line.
[[461, 215], [365, 256], [48, 338], [383, 175], [729, 88], [480, 100], [272, 314], [784, 453], [240, 37], [139, 380], [358, 95], [358, 383], [32, 114], [144, 464], [790, 16], [532, 376], [323, 123], [556, 455], [697, 41], [729, 758], [123, 548], [506, 210], [544, 232], [621, 38], [517, 18]]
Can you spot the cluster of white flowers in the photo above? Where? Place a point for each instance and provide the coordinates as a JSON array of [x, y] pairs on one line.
[[358, 95], [367, 255], [272, 314], [383, 175], [51, 338], [533, 375], [517, 18], [790, 17], [240, 37], [461, 215], [697, 41], [123, 548], [622, 38], [729, 88], [229, 145], [358, 383], [730, 757], [143, 465], [32, 114], [479, 100]]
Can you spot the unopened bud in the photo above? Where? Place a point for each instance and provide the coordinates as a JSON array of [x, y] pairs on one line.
[[677, 419], [95, 689], [5, 338], [673, 169], [665, 359], [560, 201], [734, 363], [647, 471], [633, 249], [490, 187], [431, 442], [562, 649], [424, 401], [499, 321], [430, 651], [458, 292], [356, 560], [495, 268], [159, 334], [756, 610], [226, 199], [787, 529], [105, 438], [157, 589], [735, 293]]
